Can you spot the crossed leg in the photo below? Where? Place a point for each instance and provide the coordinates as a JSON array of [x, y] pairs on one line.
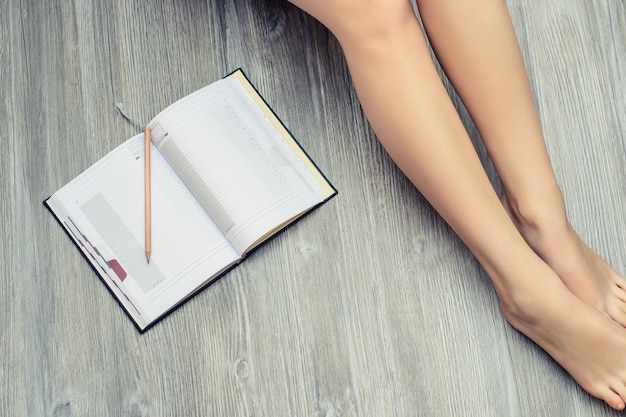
[[416, 122]]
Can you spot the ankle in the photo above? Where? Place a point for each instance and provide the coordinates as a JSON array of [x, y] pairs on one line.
[[539, 218], [521, 310], [523, 288], [529, 305]]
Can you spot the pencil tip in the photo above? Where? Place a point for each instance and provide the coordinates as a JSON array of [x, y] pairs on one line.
[[148, 256]]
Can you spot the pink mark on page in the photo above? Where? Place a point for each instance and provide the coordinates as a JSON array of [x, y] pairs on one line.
[[117, 268]]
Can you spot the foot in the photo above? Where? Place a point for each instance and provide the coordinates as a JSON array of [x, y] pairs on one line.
[[581, 269], [586, 343]]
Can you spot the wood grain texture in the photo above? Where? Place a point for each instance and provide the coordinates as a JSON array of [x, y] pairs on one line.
[[370, 306]]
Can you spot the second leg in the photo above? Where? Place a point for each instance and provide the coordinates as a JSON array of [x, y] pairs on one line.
[[477, 46]]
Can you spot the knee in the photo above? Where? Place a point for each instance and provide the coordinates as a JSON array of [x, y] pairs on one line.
[[360, 19]]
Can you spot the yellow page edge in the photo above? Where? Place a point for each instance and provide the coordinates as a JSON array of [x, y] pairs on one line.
[[327, 189]]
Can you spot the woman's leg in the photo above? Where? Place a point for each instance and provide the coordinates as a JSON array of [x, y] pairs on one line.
[[410, 111], [475, 42]]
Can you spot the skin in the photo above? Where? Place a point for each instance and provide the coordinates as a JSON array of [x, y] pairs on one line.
[[552, 286]]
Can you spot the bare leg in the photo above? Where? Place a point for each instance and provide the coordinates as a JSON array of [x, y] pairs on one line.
[[475, 42], [416, 122]]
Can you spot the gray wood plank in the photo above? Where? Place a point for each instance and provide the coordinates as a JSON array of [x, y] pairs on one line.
[[370, 306]]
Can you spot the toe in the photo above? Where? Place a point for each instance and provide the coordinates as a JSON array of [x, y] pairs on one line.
[[618, 314], [618, 398], [619, 292], [616, 403], [613, 399], [620, 282]]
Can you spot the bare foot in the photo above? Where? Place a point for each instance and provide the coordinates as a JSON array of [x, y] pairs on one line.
[[581, 269], [586, 343]]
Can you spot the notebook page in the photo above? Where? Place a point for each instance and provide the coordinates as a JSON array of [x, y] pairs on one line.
[[234, 161], [103, 208]]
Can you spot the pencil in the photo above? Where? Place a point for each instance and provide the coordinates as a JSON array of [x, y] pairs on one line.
[[147, 180]]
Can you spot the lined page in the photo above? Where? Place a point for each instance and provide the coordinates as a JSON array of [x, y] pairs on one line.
[[234, 161], [105, 208]]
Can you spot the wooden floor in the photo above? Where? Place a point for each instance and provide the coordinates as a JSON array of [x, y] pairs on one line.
[[369, 307]]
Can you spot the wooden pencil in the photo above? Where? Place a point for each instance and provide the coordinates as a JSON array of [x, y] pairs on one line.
[[148, 208]]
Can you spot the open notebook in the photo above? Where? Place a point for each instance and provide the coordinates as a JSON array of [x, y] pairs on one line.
[[226, 176]]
